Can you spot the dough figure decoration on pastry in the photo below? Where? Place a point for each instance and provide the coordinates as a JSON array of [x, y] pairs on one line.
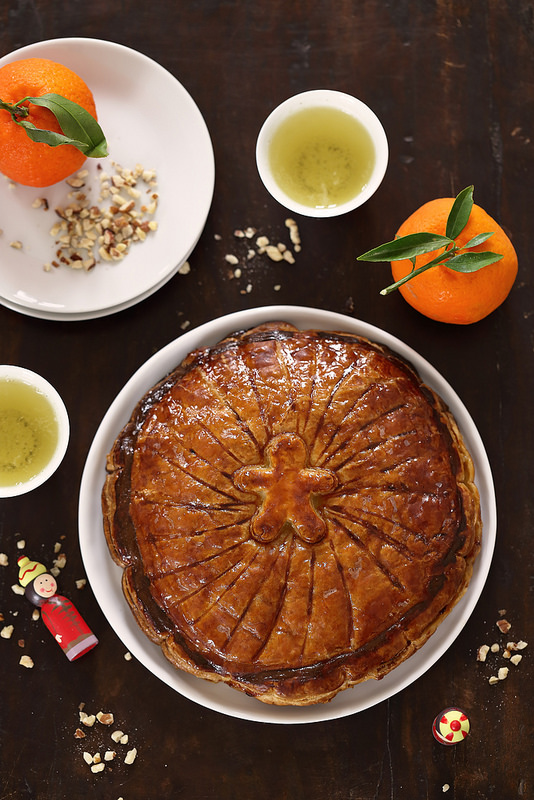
[[286, 487]]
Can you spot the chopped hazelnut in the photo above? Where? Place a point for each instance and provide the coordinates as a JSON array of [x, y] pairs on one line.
[[482, 652]]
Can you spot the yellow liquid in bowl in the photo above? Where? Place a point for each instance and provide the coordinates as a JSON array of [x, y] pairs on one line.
[[322, 157], [29, 432]]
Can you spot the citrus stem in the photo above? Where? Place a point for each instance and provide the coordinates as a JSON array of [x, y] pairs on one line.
[[441, 259], [17, 111]]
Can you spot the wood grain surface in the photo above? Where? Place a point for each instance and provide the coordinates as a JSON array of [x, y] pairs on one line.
[[453, 84]]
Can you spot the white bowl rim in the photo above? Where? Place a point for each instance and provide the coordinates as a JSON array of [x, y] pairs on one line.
[[343, 102], [27, 376]]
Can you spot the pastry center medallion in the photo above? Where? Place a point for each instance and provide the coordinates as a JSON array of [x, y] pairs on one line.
[[286, 486]]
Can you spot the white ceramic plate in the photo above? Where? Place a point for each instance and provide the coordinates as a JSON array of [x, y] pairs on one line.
[[105, 576], [58, 316], [130, 92]]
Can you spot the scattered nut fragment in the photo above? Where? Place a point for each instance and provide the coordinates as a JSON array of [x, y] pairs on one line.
[[289, 257], [17, 589], [16, 245], [130, 756], [273, 252], [40, 202], [493, 680], [117, 735], [99, 767], [231, 259], [7, 631], [60, 561], [503, 625], [87, 757], [4, 561], [57, 547], [26, 661], [79, 734], [185, 269], [81, 583], [521, 645], [495, 648], [109, 755], [36, 614], [502, 673], [516, 659], [294, 234], [127, 656], [87, 719], [482, 652], [21, 544], [105, 718]]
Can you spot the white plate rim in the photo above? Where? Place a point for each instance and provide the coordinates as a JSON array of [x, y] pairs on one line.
[[71, 298], [105, 576], [38, 313]]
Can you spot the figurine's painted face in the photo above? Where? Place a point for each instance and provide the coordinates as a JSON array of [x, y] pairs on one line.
[[45, 585]]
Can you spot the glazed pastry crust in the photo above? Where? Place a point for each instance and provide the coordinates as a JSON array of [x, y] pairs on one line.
[[294, 511]]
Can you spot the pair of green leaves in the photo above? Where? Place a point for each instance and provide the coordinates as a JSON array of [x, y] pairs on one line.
[[79, 127], [415, 244]]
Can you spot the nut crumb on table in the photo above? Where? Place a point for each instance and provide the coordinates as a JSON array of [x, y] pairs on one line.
[[104, 755], [244, 260], [507, 652]]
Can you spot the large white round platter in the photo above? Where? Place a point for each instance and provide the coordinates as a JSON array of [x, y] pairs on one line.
[[105, 576], [148, 118]]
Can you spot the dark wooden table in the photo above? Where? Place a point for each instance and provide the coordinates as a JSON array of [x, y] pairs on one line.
[[453, 86]]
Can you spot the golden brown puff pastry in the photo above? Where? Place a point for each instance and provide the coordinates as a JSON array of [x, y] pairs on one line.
[[294, 511]]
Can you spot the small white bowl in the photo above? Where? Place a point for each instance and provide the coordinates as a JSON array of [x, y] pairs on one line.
[[32, 379], [330, 99]]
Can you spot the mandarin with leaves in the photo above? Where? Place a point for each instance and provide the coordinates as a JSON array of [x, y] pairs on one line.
[[440, 262], [48, 122]]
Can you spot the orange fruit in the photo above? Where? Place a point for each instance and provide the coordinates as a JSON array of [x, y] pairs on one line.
[[21, 159], [442, 293]]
